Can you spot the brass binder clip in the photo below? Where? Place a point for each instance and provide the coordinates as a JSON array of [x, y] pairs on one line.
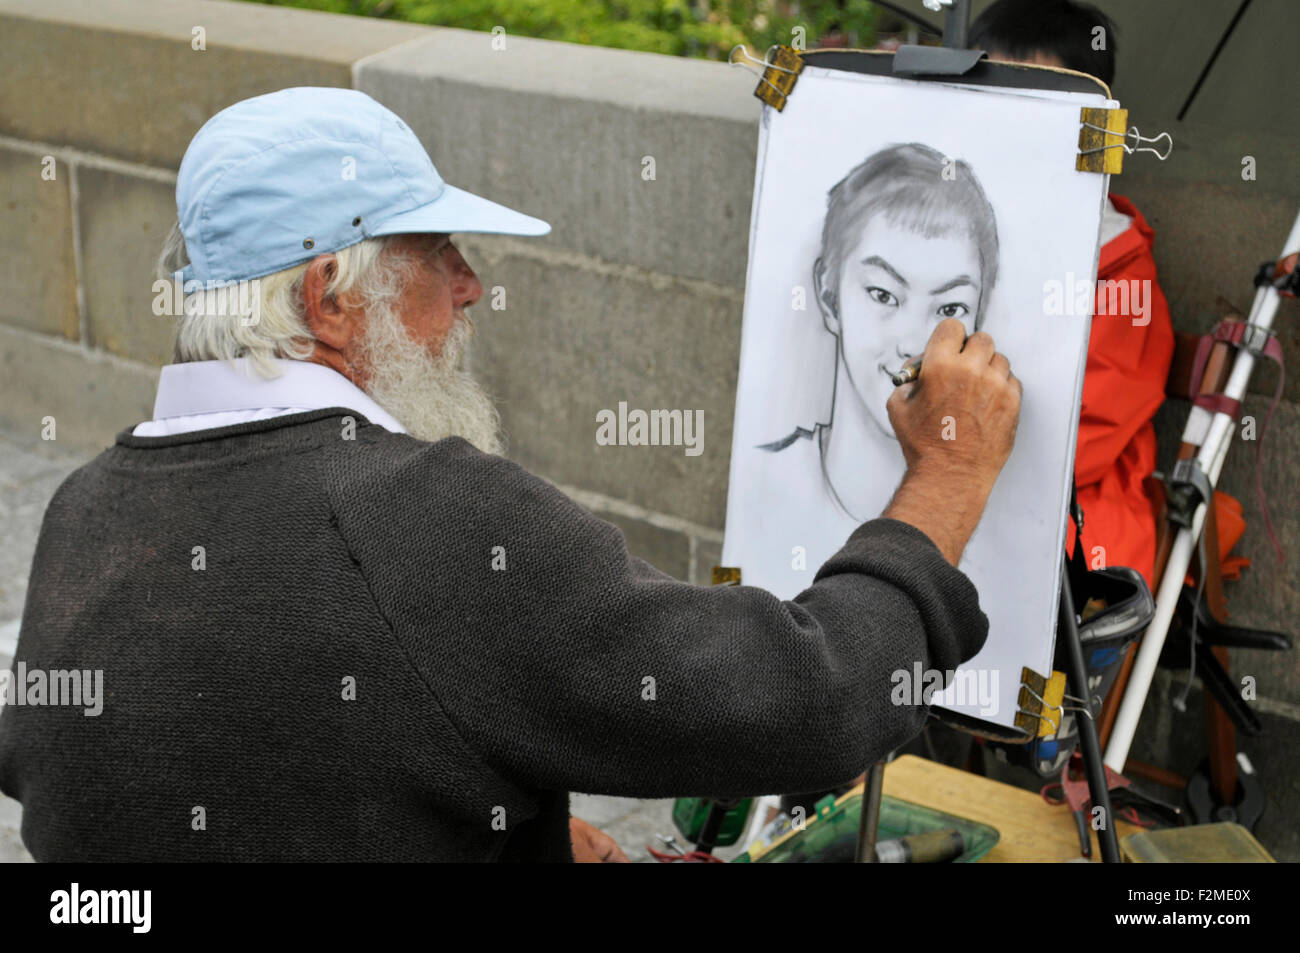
[[726, 575], [780, 71], [1038, 698], [1104, 141]]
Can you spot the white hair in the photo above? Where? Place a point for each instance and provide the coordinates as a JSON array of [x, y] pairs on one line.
[[433, 395], [263, 319]]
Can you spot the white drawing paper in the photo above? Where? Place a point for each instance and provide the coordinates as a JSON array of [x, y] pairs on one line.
[[881, 206]]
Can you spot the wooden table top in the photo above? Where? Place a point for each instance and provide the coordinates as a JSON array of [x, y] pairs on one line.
[[1030, 829]]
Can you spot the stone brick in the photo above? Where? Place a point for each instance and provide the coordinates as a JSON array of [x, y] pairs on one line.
[[662, 548], [121, 77], [580, 167], [91, 397], [572, 342], [708, 554], [123, 222], [37, 264]]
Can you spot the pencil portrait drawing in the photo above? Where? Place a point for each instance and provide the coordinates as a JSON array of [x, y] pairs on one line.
[[909, 239], [884, 206]]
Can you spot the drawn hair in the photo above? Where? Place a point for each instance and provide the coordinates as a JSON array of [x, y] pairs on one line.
[[916, 187]]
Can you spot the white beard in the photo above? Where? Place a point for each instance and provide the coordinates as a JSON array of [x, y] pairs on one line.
[[432, 397]]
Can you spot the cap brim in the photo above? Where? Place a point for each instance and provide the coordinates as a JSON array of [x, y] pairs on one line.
[[456, 210]]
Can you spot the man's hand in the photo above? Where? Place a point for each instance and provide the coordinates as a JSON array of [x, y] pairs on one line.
[[956, 425], [591, 846]]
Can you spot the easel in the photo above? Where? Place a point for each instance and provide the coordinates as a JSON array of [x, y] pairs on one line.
[[954, 59], [950, 62]]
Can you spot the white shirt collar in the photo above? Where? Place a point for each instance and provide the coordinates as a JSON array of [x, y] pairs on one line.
[[223, 387]]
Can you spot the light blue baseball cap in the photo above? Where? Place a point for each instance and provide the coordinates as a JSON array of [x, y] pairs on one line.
[[276, 180]]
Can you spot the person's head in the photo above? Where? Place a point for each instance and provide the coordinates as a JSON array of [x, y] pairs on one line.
[[1062, 33], [390, 314], [909, 239], [323, 208]]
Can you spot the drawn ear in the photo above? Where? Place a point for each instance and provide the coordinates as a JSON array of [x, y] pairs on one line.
[[825, 298]]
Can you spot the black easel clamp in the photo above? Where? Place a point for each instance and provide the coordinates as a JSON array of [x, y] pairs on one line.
[[1189, 487], [1274, 274], [934, 61]]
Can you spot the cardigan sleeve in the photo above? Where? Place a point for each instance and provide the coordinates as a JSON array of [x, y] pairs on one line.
[[568, 664]]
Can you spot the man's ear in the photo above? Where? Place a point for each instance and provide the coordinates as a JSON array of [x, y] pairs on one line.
[[328, 322], [825, 298]]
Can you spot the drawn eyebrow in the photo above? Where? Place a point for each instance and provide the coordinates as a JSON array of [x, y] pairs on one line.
[[881, 263], [949, 285]]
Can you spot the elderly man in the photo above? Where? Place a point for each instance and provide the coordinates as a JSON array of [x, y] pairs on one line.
[[333, 622]]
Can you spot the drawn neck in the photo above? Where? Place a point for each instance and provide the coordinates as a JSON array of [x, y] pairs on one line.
[[862, 463]]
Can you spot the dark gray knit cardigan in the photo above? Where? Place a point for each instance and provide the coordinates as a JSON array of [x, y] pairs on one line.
[[345, 671]]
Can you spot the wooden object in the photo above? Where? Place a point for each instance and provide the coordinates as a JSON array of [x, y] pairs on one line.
[[1030, 829]]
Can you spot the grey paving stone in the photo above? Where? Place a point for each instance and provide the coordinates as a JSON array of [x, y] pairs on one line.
[[30, 471], [12, 850]]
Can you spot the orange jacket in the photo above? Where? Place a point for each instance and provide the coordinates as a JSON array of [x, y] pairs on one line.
[[1123, 386]]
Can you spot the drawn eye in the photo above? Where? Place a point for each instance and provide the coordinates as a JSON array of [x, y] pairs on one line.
[[881, 296], [954, 310]]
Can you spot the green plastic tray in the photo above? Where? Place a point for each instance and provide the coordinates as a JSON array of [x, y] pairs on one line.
[[832, 836]]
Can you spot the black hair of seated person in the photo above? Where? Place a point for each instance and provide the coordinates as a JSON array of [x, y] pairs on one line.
[[1017, 29]]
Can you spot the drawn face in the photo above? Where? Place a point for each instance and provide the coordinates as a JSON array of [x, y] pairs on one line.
[[895, 286]]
